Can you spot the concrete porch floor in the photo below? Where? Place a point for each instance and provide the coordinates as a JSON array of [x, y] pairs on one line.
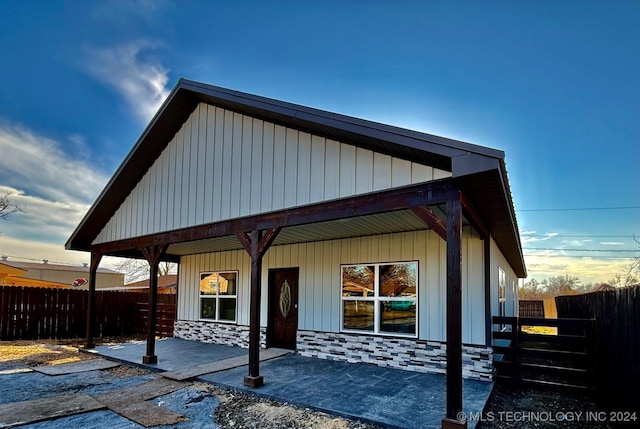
[[382, 396]]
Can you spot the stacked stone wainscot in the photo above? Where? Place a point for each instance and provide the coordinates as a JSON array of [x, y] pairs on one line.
[[216, 333], [403, 353]]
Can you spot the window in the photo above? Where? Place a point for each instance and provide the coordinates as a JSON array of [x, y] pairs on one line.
[[380, 298], [502, 292], [218, 296]]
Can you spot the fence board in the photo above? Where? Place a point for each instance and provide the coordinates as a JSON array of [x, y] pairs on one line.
[[553, 361], [617, 315], [28, 313], [531, 308]]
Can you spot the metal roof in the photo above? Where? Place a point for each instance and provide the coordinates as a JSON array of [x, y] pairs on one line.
[[481, 170]]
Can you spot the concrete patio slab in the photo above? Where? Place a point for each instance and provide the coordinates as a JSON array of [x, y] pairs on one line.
[[74, 367], [222, 365], [173, 353], [383, 396], [21, 413]]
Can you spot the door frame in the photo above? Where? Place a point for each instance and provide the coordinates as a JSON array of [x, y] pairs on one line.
[[270, 294]]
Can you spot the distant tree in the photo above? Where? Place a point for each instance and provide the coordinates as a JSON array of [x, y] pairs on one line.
[[631, 275], [138, 269], [7, 207], [530, 290], [626, 278], [561, 285]]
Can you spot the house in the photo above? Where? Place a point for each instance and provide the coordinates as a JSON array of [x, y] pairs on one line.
[[46, 274], [294, 227]]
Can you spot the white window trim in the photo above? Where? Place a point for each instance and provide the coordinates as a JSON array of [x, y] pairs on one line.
[[376, 298], [217, 296]]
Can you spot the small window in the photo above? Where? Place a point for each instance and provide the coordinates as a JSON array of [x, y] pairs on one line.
[[380, 298], [218, 296], [502, 292]]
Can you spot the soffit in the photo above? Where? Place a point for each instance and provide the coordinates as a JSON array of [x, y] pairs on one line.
[[385, 223]]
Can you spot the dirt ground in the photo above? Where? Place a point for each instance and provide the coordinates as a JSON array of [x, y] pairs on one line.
[[236, 410], [515, 408]]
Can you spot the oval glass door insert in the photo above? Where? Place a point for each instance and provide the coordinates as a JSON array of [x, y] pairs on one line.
[[285, 298]]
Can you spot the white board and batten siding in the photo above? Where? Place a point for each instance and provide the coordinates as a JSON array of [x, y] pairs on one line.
[[498, 261], [319, 297], [222, 165]]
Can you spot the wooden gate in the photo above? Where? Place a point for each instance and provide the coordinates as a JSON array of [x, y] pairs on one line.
[[552, 353]]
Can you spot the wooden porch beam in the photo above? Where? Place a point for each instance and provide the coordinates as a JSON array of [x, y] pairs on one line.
[[474, 218], [152, 254], [428, 216], [454, 313], [91, 304], [423, 194], [266, 240]]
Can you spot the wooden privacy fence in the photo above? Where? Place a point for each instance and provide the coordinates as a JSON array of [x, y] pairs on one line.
[[557, 361], [28, 313], [617, 315], [531, 308]]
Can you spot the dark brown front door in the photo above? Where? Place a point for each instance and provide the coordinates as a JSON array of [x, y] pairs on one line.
[[283, 308]]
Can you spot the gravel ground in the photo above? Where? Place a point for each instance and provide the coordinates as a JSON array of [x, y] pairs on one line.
[[206, 406], [515, 408]]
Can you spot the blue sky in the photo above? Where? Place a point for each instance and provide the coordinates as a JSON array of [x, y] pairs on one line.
[[556, 85]]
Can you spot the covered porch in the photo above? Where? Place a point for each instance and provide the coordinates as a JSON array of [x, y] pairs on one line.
[[441, 206]]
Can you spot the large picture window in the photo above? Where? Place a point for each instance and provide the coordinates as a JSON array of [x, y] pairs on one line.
[[380, 298], [218, 296]]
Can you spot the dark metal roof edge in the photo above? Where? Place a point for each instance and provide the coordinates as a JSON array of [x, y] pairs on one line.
[[512, 214], [343, 122]]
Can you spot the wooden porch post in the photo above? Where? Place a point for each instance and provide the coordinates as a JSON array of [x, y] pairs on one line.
[[152, 254], [256, 244], [91, 305], [454, 313]]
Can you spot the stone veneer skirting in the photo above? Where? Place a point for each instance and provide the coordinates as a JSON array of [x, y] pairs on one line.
[[402, 353], [216, 333]]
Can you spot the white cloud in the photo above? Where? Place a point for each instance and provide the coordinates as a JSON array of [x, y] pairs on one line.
[[48, 219], [587, 269], [612, 243], [53, 187], [527, 236], [37, 166], [139, 78]]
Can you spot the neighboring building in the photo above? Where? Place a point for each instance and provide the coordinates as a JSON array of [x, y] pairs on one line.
[[372, 243], [44, 274], [167, 284]]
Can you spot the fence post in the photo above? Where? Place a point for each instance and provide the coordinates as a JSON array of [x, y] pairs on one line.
[[516, 351]]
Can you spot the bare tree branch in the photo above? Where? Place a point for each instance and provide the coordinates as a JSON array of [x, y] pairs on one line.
[[7, 207], [138, 269]]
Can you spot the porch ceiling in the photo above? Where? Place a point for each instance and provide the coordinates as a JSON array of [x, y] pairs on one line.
[[384, 223]]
